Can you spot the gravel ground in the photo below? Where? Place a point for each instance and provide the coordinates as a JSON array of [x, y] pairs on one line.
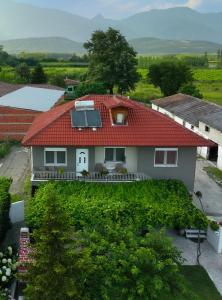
[[16, 165]]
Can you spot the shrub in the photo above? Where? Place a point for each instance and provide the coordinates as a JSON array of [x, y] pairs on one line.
[[4, 149], [5, 202], [141, 204], [8, 268]]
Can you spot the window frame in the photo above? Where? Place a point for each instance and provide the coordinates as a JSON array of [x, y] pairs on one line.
[[165, 165], [55, 150], [114, 154]]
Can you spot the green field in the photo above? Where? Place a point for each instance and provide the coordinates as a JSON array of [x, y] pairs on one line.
[[209, 81]]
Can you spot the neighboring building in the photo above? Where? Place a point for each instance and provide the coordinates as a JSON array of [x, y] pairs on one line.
[[199, 116], [19, 105], [70, 86], [105, 133]]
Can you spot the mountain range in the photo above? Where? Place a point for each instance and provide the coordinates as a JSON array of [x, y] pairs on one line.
[[22, 21], [141, 45]]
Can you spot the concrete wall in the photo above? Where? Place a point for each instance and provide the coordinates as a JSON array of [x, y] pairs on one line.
[[215, 239], [140, 159], [185, 170], [17, 212], [38, 159]]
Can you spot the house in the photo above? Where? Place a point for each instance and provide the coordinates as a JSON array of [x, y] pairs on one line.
[[70, 86], [20, 104], [110, 138], [202, 117]]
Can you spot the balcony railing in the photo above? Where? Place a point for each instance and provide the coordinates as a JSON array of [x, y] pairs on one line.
[[92, 177]]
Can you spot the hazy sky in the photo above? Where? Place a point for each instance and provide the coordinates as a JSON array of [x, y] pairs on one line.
[[123, 8]]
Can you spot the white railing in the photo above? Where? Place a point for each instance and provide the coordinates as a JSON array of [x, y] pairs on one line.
[[92, 177]]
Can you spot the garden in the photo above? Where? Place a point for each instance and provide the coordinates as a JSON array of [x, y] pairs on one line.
[[111, 236], [8, 258]]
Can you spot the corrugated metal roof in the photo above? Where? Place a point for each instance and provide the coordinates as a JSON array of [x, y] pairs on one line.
[[39, 99], [192, 109], [214, 120]]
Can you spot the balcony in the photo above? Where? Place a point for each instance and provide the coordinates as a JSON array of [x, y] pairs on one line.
[[92, 177]]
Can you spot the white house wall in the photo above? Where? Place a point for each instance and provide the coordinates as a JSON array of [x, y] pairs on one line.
[[213, 134], [219, 160]]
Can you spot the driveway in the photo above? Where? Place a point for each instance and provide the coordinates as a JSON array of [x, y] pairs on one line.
[[211, 191], [16, 165], [209, 259]]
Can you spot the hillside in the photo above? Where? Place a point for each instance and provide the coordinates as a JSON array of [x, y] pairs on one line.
[[141, 45], [49, 45], [159, 46], [19, 20]]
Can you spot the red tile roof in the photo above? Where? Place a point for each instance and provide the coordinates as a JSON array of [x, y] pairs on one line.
[[146, 127]]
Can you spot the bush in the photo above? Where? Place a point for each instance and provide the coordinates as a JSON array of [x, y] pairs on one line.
[[4, 149], [5, 202], [141, 204], [108, 258], [8, 268]]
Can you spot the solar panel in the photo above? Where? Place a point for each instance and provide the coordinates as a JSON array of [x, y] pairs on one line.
[[88, 118], [93, 118], [79, 119]]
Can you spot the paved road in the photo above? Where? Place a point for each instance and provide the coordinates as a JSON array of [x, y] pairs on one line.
[[16, 165], [211, 191], [209, 259]]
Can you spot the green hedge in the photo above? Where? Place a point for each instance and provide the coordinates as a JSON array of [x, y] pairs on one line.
[[5, 202], [139, 205]]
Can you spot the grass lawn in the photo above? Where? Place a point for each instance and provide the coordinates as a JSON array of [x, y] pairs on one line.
[[198, 283], [214, 172]]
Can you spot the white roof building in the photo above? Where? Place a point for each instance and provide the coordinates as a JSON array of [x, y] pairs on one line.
[[33, 98]]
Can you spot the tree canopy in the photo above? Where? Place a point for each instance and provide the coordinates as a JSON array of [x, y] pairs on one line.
[[38, 75], [112, 60], [115, 254], [170, 76]]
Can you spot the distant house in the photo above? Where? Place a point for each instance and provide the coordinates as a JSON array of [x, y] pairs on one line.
[[20, 104], [200, 116], [70, 86], [110, 138]]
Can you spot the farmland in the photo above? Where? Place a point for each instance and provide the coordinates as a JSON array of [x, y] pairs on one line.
[[209, 81]]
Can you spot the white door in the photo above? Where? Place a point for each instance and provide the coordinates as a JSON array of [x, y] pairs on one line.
[[82, 160]]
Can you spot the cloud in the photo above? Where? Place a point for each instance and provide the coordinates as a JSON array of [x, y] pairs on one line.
[[193, 3], [161, 4]]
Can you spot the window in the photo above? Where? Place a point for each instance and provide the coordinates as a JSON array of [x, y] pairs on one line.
[[70, 89], [192, 127], [207, 128], [115, 154], [166, 157], [55, 157], [120, 118]]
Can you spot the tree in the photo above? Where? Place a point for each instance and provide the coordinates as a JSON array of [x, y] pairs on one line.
[[170, 76], [38, 75], [90, 88], [192, 90], [23, 72], [112, 60], [58, 265]]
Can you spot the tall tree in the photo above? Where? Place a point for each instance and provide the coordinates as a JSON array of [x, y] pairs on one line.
[[38, 75], [112, 60], [23, 72], [56, 270], [170, 76]]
